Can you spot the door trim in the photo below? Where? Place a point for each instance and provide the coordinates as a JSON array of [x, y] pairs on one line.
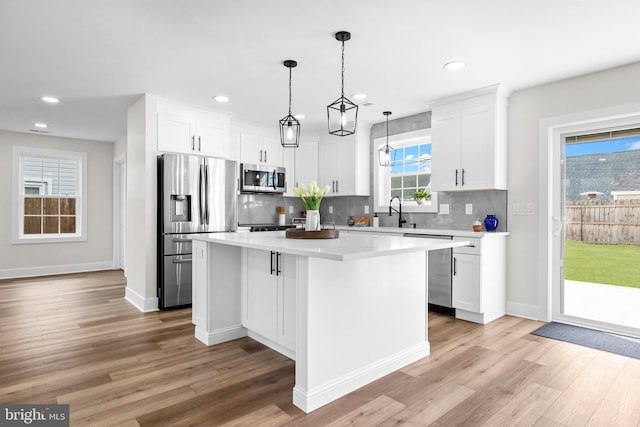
[[119, 212], [551, 133]]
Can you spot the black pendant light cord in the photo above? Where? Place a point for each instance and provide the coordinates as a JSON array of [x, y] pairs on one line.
[[289, 90], [342, 71], [387, 130]]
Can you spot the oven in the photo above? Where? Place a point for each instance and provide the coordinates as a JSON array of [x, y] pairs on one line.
[[262, 179]]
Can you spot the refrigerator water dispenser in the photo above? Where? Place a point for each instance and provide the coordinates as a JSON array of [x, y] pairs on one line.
[[180, 207]]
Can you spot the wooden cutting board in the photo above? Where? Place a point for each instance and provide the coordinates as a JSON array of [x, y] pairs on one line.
[[296, 233]]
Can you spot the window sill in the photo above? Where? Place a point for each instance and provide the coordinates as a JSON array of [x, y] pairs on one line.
[[52, 239]]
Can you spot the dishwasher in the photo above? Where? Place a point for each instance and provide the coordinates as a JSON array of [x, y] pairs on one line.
[[439, 275]]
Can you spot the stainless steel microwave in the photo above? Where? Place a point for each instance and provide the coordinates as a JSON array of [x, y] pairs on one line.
[[262, 179]]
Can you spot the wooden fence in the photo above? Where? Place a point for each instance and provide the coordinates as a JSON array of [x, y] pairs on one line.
[[603, 221]]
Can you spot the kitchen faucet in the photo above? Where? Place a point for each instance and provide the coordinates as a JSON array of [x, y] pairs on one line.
[[401, 219]]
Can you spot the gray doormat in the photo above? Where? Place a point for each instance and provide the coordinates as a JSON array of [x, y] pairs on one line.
[[589, 338]]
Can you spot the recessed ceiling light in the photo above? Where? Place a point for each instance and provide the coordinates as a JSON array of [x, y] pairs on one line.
[[40, 125], [299, 116], [454, 65], [359, 96], [50, 99], [221, 98]]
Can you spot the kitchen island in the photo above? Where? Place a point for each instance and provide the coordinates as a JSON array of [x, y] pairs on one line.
[[348, 310]]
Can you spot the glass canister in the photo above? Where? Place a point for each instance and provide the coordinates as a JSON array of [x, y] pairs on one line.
[[491, 223]]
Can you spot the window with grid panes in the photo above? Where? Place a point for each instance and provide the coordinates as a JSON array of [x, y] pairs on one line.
[[410, 170], [49, 194]]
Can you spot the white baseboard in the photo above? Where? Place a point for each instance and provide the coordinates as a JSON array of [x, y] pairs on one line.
[[523, 310], [310, 400], [273, 345], [221, 335], [145, 305], [14, 273]]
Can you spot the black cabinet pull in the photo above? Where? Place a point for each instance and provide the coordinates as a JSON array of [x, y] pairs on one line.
[[454, 266], [463, 177], [278, 271], [456, 177], [272, 269]]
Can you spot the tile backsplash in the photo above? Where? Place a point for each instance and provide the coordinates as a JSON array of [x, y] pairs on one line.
[[261, 209]]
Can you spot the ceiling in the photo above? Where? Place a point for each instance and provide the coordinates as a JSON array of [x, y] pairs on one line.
[[99, 56]]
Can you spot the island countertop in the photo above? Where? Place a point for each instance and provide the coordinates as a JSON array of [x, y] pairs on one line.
[[344, 248]]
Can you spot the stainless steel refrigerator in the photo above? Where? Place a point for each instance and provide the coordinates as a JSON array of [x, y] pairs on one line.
[[195, 195]]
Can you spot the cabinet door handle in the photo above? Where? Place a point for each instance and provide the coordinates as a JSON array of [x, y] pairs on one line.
[[463, 177], [272, 269], [278, 271], [454, 266], [199, 144], [337, 186], [456, 177], [265, 156], [193, 142], [260, 156]]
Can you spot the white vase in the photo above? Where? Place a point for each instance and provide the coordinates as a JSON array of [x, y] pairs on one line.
[[313, 220]]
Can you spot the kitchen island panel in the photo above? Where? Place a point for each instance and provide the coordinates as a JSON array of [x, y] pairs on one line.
[[216, 292], [358, 321]]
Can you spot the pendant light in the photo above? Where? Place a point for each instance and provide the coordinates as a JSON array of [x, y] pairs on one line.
[[289, 125], [386, 152], [342, 111]]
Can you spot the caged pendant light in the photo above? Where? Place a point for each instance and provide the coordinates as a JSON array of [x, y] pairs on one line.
[[342, 114], [386, 153], [289, 125]]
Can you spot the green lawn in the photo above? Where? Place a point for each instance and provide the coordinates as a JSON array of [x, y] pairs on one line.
[[610, 264]]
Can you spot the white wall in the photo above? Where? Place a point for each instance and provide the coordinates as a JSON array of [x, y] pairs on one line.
[[49, 258], [120, 147], [141, 203], [527, 107]]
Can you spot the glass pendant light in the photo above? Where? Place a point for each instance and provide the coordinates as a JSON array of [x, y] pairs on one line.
[[342, 114], [386, 153], [289, 125]]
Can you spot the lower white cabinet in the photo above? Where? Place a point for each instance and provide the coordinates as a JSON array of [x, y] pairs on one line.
[[466, 279], [269, 298], [479, 278]]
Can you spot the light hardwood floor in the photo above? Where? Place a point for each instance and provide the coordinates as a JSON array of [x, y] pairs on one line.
[[74, 339]]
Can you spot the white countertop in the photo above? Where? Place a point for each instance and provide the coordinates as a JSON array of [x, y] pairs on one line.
[[439, 232], [344, 248]]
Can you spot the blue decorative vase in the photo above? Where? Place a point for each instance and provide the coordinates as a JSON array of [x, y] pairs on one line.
[[491, 223]]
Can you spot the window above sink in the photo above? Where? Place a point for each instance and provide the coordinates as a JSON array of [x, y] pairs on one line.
[[410, 171]]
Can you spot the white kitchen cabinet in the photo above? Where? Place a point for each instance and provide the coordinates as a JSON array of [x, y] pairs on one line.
[[289, 161], [343, 164], [192, 131], [306, 163], [469, 147], [466, 279], [258, 149], [269, 299], [479, 279]]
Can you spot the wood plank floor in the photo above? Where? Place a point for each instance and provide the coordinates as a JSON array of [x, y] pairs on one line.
[[74, 339]]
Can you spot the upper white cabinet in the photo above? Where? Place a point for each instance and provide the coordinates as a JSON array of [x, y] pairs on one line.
[[256, 148], [469, 143], [343, 163], [189, 130], [306, 163]]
